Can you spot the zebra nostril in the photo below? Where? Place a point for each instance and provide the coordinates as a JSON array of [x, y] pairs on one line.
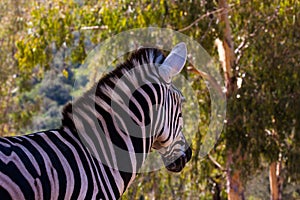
[[179, 163], [186, 158]]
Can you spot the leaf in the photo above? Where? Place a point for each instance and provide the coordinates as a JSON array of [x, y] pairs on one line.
[[65, 73]]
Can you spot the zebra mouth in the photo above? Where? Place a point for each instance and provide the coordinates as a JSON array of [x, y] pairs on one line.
[[176, 166], [180, 162]]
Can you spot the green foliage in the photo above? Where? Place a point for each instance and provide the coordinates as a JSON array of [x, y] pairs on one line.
[[15, 110], [43, 49], [264, 117]]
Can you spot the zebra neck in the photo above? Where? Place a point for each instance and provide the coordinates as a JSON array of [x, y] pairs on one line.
[[112, 180], [118, 118], [117, 150]]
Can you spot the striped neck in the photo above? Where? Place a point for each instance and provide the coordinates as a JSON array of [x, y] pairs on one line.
[[118, 117]]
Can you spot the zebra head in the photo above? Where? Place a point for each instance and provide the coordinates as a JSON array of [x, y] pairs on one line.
[[170, 142]]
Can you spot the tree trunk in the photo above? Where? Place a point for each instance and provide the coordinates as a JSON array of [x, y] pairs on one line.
[[228, 59], [276, 180], [236, 191], [273, 181], [235, 188]]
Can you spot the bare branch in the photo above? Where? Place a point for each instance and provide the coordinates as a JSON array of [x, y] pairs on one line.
[[208, 78], [94, 28], [218, 165], [200, 18]]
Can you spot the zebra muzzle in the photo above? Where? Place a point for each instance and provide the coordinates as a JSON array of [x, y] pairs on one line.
[[180, 162]]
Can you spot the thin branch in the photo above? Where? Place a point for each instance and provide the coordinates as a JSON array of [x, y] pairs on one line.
[[238, 51], [207, 77], [218, 165], [94, 28], [241, 46], [200, 18], [207, 30], [230, 7]]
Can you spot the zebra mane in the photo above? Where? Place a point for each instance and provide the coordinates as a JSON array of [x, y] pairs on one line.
[[142, 55]]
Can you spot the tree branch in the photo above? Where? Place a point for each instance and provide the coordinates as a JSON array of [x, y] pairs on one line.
[[200, 18], [94, 27], [207, 77], [218, 165]]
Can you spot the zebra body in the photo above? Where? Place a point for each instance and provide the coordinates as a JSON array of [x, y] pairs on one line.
[[105, 136], [46, 165]]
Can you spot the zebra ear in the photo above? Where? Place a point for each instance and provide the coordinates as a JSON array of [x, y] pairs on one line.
[[174, 62]]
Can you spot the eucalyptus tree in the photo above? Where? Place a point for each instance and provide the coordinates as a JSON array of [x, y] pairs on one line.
[[262, 126]]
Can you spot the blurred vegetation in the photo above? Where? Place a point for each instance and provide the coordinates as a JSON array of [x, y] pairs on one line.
[[43, 45]]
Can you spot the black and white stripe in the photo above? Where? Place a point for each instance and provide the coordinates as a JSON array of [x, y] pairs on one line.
[[106, 135]]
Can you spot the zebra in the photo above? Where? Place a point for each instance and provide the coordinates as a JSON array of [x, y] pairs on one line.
[[106, 134]]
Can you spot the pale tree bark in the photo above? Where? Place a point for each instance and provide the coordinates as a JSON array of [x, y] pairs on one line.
[[228, 59], [275, 175], [225, 47], [276, 179], [273, 181]]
